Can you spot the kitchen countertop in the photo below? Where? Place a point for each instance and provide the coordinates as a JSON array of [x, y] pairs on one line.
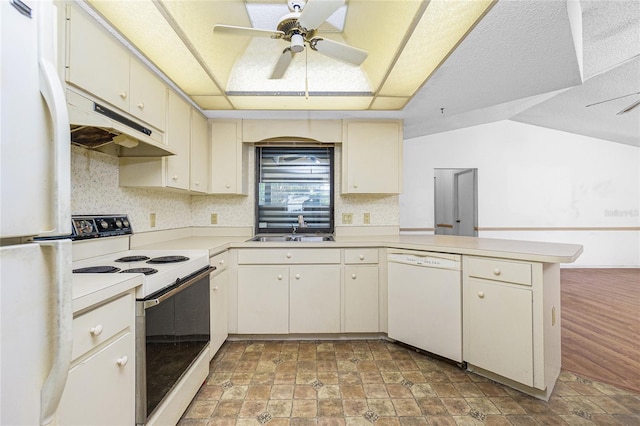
[[91, 289], [498, 248]]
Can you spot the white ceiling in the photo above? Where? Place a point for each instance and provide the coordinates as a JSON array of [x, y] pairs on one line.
[[534, 61]]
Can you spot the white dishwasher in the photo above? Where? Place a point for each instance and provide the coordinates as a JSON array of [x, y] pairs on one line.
[[425, 301]]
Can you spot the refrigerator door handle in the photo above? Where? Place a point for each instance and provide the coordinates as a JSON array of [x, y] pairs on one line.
[[53, 93], [55, 382]]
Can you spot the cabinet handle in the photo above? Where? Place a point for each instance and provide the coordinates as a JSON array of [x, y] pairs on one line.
[[481, 294], [123, 95], [361, 257], [122, 361], [280, 277], [297, 276], [214, 288], [353, 276], [497, 271], [96, 331], [141, 105], [288, 255]]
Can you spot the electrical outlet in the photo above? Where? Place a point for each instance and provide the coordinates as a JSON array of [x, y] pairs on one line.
[[347, 218], [152, 220], [214, 218], [366, 219]]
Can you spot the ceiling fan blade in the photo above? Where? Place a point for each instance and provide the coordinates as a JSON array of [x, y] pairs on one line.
[[630, 107], [245, 31], [315, 12], [337, 50], [283, 63]]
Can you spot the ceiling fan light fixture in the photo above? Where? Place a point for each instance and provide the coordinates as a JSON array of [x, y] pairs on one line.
[[297, 43]]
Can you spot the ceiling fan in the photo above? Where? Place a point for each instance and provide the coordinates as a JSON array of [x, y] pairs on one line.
[[299, 27], [630, 107]]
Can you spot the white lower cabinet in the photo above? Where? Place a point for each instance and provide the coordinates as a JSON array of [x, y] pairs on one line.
[[500, 335], [100, 388], [314, 299], [263, 300], [219, 294], [361, 299]]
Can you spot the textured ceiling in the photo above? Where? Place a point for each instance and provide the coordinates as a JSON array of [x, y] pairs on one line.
[[535, 61]]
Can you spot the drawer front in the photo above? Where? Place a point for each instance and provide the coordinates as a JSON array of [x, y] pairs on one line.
[[100, 324], [365, 255], [291, 256], [220, 261], [500, 270]]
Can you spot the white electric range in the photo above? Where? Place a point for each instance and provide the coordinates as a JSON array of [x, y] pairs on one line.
[[172, 312]]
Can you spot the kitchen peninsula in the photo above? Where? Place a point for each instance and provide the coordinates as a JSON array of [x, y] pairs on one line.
[[497, 277]]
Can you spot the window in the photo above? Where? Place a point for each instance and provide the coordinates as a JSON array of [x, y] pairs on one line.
[[294, 185]]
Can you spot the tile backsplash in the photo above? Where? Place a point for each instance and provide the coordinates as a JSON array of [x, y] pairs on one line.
[[95, 190]]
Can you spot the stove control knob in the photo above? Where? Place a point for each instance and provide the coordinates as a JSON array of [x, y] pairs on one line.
[[118, 223], [104, 224], [85, 227], [125, 222]]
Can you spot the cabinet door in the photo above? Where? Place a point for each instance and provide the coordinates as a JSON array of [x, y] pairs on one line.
[[98, 63], [178, 137], [499, 335], [101, 389], [372, 157], [219, 321], [361, 299], [315, 299], [199, 153], [263, 300], [148, 96], [227, 158]]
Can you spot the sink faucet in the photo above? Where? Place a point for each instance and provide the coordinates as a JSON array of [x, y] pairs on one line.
[[301, 223]]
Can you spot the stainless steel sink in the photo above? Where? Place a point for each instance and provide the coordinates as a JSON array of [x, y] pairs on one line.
[[302, 238]]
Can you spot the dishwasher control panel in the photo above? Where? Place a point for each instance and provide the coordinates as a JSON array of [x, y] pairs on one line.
[[425, 261]]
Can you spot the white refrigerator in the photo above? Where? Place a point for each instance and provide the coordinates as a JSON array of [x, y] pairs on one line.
[[35, 277]]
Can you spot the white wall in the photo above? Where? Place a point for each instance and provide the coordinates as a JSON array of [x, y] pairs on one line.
[[533, 177]]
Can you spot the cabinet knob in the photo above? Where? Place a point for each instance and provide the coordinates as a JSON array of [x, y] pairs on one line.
[[353, 276], [288, 255], [297, 276], [123, 95], [361, 257], [196, 183], [175, 177], [497, 271], [214, 288], [481, 294], [122, 361], [355, 185], [280, 277], [96, 331], [141, 105], [227, 186], [221, 261]]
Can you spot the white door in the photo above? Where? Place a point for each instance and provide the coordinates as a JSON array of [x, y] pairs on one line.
[[34, 138], [31, 306], [465, 203]]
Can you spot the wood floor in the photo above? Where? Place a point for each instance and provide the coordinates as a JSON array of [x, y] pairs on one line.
[[601, 325]]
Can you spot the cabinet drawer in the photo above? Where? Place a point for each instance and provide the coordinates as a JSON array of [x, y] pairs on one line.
[[220, 261], [365, 255], [284, 256], [99, 325], [500, 270]]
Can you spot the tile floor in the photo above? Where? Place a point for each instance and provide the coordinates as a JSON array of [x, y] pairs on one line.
[[382, 383]]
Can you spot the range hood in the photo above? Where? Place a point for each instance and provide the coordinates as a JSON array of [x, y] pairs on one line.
[[102, 128]]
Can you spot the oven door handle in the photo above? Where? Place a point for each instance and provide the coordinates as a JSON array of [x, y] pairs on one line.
[[148, 303]]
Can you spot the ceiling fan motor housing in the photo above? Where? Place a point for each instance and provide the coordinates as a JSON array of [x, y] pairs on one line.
[[289, 26]]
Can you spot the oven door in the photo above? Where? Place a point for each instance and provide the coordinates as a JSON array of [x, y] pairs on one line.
[[172, 330]]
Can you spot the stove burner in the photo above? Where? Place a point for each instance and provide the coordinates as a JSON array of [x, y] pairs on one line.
[[96, 270], [146, 271], [132, 259], [168, 259]]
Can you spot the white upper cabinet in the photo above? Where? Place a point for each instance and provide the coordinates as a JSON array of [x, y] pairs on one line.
[[199, 153], [102, 66], [372, 157], [229, 158]]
